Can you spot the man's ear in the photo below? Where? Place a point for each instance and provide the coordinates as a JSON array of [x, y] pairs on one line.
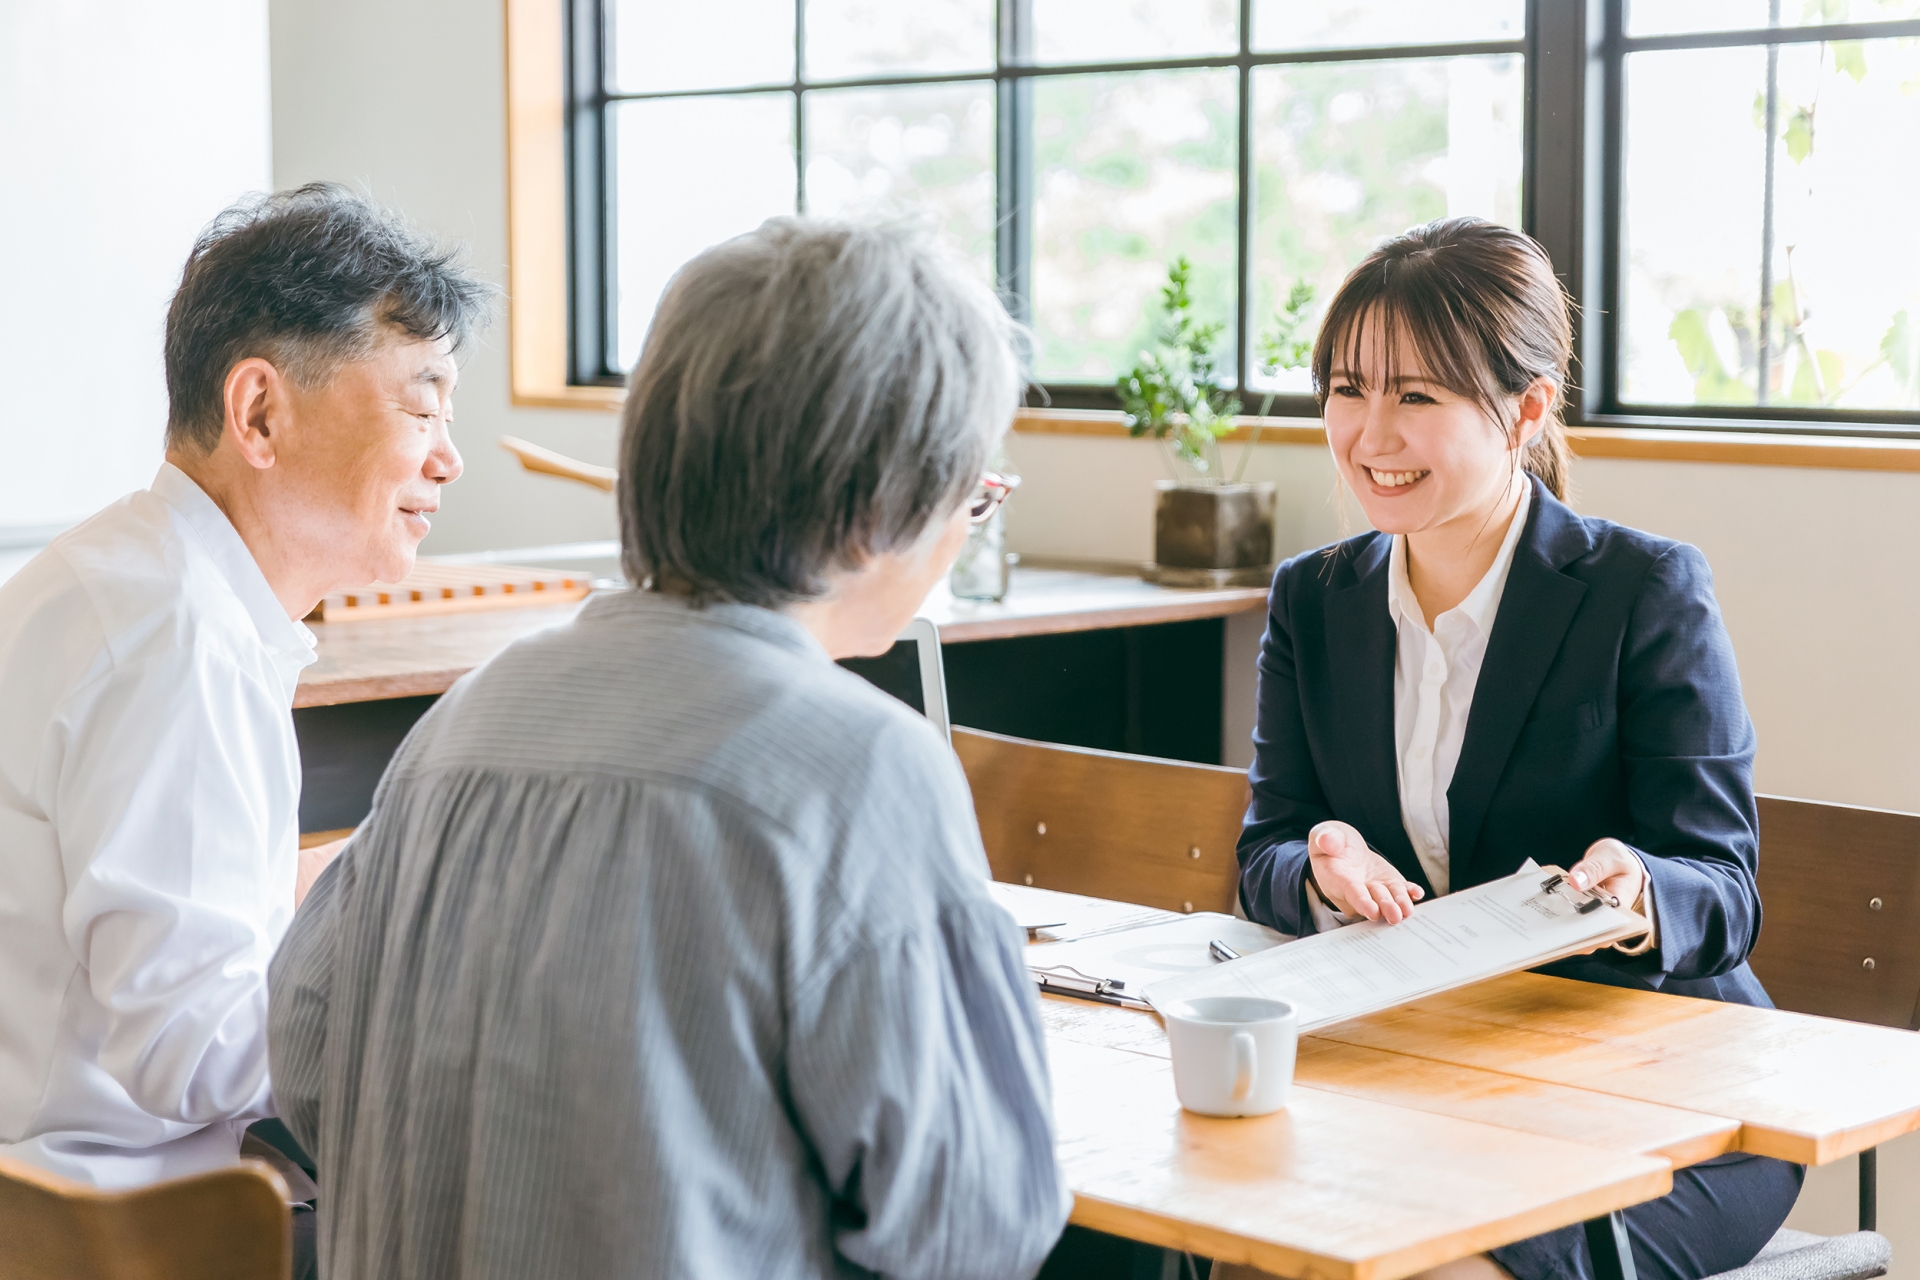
[[256, 403]]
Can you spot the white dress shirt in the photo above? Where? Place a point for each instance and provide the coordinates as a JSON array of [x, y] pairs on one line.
[[1435, 673], [149, 789]]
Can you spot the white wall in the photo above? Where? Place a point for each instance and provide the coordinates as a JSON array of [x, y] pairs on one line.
[[125, 125], [407, 100]]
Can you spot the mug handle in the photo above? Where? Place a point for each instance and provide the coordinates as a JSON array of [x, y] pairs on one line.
[[1244, 1062]]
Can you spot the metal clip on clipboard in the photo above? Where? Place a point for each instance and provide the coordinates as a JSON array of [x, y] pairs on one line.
[[1585, 900]]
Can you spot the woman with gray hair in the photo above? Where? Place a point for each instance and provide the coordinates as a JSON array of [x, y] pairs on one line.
[[667, 948]]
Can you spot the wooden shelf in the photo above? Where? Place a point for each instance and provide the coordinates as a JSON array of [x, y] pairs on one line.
[[401, 658]]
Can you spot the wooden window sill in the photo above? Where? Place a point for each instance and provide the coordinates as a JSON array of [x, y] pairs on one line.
[[1848, 453]]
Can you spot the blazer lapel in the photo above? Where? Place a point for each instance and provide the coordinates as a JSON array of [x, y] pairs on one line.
[[1536, 609], [1360, 642]]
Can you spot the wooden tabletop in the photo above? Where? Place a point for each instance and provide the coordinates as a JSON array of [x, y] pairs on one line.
[[398, 658], [1415, 1134], [1802, 1088], [1336, 1187]]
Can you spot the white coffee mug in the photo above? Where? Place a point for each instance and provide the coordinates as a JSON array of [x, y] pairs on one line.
[[1232, 1055]]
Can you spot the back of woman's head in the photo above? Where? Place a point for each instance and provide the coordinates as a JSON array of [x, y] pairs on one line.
[[1480, 308], [809, 394]]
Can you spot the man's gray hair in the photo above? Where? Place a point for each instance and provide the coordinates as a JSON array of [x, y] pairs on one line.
[[809, 394], [307, 279]]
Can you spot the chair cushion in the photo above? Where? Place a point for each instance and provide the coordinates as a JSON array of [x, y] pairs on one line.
[[1800, 1255]]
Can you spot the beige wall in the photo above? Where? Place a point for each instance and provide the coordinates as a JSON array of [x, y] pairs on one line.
[[405, 97], [1813, 569]]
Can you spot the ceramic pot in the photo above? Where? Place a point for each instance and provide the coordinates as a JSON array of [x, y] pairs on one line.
[[1213, 530]]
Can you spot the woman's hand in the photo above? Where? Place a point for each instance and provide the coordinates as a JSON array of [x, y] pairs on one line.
[[1354, 879], [1609, 866]]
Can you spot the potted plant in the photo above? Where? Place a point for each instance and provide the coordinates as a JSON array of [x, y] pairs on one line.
[[1208, 531]]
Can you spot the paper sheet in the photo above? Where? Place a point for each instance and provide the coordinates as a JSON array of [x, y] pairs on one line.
[[1483, 932], [1134, 958], [1060, 916]]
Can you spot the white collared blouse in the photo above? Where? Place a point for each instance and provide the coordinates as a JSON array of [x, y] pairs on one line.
[[149, 795]]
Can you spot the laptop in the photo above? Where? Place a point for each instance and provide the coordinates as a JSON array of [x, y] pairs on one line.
[[911, 672]]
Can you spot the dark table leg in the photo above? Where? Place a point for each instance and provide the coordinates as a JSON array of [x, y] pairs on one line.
[[1870, 1189], [1607, 1244]]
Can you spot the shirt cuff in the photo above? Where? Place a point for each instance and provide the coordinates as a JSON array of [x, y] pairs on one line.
[[1325, 918], [1651, 938]]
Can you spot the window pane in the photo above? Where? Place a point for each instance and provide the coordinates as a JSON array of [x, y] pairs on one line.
[[1321, 24], [1347, 154], [1844, 330], [849, 38], [714, 44], [1669, 17], [688, 173], [1114, 30], [1129, 170], [923, 150]]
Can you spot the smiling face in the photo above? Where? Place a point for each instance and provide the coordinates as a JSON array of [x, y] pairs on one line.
[[1420, 457], [359, 461]]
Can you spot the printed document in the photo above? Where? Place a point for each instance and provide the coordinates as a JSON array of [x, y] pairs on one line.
[[1524, 920]]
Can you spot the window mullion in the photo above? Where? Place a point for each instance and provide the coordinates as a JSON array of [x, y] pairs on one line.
[[1013, 159], [1243, 262], [799, 106]]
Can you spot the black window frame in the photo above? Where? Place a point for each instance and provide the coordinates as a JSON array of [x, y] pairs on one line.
[[1574, 53]]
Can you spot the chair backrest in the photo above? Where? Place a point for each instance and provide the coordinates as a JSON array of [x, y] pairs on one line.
[[1840, 887], [1131, 828], [231, 1224]]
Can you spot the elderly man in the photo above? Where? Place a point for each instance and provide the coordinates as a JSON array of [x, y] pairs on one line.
[[667, 949], [149, 777]]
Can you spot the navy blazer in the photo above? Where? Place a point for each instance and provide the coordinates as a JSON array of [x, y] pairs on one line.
[[1608, 705]]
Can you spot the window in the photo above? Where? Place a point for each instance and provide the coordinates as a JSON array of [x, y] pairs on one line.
[[1735, 221], [1768, 245]]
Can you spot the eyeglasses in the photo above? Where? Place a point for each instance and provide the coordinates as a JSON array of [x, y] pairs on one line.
[[993, 491]]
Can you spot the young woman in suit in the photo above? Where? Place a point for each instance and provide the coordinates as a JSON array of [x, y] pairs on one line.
[[1491, 677]]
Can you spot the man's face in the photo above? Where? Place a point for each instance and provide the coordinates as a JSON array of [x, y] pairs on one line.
[[362, 460]]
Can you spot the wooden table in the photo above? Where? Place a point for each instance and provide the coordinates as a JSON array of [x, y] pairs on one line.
[[362, 661], [1460, 1122]]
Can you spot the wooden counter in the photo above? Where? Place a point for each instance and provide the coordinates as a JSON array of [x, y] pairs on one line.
[[365, 661]]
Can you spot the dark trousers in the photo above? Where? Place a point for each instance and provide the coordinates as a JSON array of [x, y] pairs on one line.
[[1717, 1217], [306, 1261]]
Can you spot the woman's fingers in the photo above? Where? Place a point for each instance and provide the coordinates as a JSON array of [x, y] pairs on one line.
[[1610, 867]]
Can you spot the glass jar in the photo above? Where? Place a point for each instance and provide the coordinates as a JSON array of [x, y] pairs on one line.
[[984, 570]]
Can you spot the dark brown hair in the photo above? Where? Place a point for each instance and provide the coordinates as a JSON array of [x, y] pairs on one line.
[[1484, 313]]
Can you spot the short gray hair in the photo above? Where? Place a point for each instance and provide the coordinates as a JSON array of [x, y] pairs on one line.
[[809, 394], [309, 280]]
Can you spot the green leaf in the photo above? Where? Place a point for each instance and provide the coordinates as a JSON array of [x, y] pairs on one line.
[[1901, 347], [1799, 134], [1689, 334], [1850, 56]]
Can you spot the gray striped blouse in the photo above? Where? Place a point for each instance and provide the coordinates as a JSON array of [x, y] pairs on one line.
[[667, 951]]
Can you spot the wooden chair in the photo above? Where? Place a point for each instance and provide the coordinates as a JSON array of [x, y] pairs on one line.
[[1840, 937], [231, 1224], [1131, 828]]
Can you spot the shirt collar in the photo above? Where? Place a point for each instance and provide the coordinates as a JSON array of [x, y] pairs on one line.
[[1484, 600], [289, 640]]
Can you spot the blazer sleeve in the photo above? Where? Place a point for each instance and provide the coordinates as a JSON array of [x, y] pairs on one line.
[[1686, 751], [1287, 797]]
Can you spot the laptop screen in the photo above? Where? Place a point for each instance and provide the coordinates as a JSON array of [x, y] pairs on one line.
[[897, 671]]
